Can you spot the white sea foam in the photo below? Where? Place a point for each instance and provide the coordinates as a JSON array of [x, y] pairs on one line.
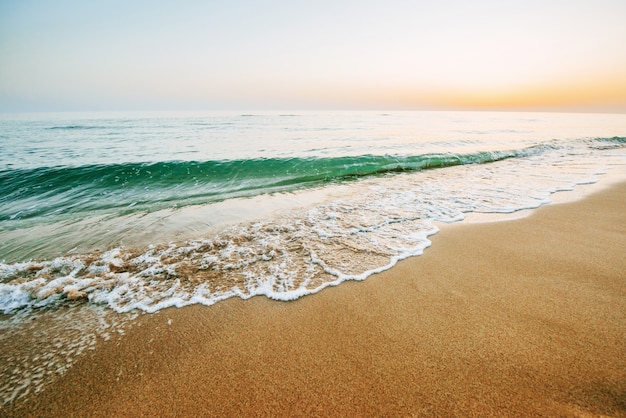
[[364, 228]]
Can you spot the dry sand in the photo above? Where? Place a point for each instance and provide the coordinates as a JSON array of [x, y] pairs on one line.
[[518, 318]]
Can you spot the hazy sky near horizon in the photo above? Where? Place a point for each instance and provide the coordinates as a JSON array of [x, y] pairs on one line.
[[279, 54]]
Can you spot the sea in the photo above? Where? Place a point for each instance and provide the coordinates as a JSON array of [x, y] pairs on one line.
[[105, 216]]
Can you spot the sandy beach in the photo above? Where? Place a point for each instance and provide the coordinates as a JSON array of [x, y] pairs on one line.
[[518, 318]]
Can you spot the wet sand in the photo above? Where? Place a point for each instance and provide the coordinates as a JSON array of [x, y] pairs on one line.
[[518, 318]]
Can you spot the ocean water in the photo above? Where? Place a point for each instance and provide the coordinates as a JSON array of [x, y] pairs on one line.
[[105, 216], [145, 211]]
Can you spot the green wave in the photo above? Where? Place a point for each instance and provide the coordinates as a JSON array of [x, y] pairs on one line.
[[133, 187]]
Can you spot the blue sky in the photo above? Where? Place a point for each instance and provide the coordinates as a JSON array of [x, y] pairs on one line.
[[151, 55]]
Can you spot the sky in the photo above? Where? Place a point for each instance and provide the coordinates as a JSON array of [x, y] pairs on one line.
[[68, 55]]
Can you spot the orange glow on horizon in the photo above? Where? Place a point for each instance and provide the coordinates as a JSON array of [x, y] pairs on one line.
[[602, 94]]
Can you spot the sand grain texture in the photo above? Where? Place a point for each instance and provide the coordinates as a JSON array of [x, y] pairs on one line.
[[517, 318]]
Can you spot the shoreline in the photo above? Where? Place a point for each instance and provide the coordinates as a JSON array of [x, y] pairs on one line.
[[520, 318]]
